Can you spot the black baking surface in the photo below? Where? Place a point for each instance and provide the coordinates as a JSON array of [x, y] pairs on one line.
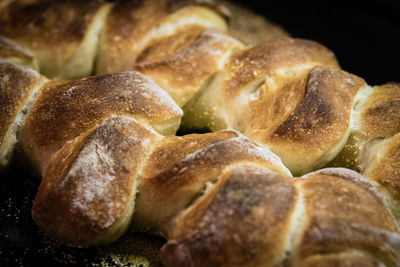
[[364, 37]]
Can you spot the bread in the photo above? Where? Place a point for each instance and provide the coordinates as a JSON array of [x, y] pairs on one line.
[[68, 37], [63, 35], [255, 217], [19, 85], [14, 53], [87, 204], [100, 143], [65, 109]]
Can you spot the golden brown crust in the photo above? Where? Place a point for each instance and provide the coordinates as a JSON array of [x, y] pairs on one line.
[[380, 116], [242, 221], [318, 123], [344, 213], [269, 57], [384, 166], [80, 200], [183, 74], [50, 22], [377, 117], [173, 178], [168, 46], [266, 79], [17, 84], [64, 109], [53, 30], [129, 23], [301, 115]]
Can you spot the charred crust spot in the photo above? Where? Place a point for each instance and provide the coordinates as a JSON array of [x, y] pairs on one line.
[[237, 194]]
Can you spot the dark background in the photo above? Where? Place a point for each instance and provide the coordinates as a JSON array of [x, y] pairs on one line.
[[364, 35]]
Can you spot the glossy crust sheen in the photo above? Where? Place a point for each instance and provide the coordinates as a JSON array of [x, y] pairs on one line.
[[344, 212], [173, 178], [64, 109], [90, 197], [242, 221]]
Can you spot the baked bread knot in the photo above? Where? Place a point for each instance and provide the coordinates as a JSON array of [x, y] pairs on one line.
[[106, 150]]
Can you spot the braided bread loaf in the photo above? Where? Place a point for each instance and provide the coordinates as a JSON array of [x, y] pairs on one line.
[[219, 198], [93, 145], [212, 195]]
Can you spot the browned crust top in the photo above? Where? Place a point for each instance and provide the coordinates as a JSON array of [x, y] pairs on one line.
[[64, 109], [267, 58], [174, 177], [201, 157], [52, 24], [168, 46], [381, 114], [84, 196], [385, 167], [16, 85], [183, 73], [346, 212], [242, 221], [320, 120], [165, 155], [325, 109], [130, 21]]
